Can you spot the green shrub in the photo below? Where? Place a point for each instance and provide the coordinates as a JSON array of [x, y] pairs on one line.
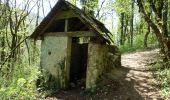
[[162, 75], [20, 83], [138, 43]]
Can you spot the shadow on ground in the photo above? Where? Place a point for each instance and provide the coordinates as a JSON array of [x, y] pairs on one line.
[[115, 87]]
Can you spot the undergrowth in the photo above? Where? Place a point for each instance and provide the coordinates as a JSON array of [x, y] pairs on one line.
[[138, 44], [19, 83], [161, 72]]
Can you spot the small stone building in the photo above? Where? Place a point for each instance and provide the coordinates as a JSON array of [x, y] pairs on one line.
[[75, 45]]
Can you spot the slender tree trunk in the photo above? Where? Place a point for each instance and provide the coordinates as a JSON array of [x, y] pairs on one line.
[[165, 18], [125, 33], [146, 37], [168, 17], [147, 33], [131, 24], [122, 29], [3, 48]]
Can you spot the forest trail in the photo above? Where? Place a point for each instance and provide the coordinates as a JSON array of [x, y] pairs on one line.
[[142, 78], [133, 81]]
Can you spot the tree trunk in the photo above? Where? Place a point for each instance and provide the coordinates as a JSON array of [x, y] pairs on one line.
[[122, 29], [163, 40], [131, 24], [125, 33], [3, 48], [165, 18], [146, 37], [168, 17], [147, 33]]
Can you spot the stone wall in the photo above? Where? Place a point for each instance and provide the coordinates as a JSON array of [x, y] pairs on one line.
[[55, 57], [101, 60]]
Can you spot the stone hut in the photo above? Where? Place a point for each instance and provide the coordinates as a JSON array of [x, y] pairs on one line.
[[75, 46]]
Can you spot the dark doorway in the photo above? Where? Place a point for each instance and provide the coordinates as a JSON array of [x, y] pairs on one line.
[[78, 60]]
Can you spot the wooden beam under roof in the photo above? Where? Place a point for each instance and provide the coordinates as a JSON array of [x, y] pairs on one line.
[[72, 34]]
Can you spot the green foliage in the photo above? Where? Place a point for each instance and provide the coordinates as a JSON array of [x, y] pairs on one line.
[[122, 6], [89, 4], [20, 83], [18, 71], [152, 40], [162, 75], [138, 43]]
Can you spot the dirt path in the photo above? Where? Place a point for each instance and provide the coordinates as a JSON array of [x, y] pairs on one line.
[[139, 74], [131, 82]]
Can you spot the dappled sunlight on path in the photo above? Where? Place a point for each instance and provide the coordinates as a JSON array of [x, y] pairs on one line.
[[139, 74]]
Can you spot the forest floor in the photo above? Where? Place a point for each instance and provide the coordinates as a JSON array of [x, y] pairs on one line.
[[134, 81]]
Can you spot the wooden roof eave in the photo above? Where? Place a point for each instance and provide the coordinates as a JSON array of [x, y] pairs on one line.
[[82, 16], [45, 21], [93, 28]]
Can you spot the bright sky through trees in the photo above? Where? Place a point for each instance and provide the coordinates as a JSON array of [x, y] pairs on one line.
[[46, 5]]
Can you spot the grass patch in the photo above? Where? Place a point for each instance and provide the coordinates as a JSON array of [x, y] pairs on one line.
[[161, 72], [128, 49]]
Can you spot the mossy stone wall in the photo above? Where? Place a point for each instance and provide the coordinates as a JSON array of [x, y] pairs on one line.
[[54, 58], [101, 60]]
